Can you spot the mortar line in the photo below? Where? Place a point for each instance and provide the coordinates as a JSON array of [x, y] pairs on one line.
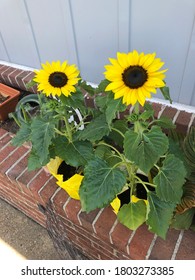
[[177, 245], [151, 247]]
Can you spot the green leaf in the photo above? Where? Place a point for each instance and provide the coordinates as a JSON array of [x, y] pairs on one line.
[[87, 87], [110, 105], [121, 126], [175, 148], [184, 220], [100, 185], [102, 86], [76, 100], [107, 154], [102, 151], [165, 122], [170, 179], [34, 161], [113, 106], [31, 84], [101, 101], [132, 215], [42, 135], [23, 135], [159, 214], [145, 148], [75, 153], [95, 130], [166, 94], [148, 113]]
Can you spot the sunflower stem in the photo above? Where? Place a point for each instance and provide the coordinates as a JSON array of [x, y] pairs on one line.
[[136, 108], [68, 128]]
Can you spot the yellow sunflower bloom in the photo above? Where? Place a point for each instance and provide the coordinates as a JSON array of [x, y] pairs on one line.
[[56, 78], [134, 76]]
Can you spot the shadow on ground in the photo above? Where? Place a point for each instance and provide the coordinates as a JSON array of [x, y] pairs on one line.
[[27, 238]]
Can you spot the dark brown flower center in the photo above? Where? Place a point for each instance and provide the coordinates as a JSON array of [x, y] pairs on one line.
[[134, 76], [58, 79]]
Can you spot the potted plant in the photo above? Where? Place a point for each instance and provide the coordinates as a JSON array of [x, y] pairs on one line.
[[137, 164], [8, 100]]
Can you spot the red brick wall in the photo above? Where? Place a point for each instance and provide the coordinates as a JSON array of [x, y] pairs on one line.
[[16, 78], [98, 234]]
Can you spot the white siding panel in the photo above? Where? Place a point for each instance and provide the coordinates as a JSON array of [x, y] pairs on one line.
[[124, 28], [16, 33], [96, 31], [192, 103], [188, 83], [88, 32], [165, 27], [3, 52], [52, 27]]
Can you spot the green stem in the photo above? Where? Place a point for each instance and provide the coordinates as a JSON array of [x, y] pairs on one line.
[[136, 108], [131, 169], [68, 128], [110, 146], [157, 167], [118, 132], [59, 132], [145, 183], [15, 119]]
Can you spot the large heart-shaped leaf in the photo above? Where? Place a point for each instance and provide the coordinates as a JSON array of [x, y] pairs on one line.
[[114, 106], [42, 135], [159, 214], [75, 153], [101, 184], [95, 130], [170, 179], [132, 215], [145, 148], [34, 161], [22, 135], [184, 220]]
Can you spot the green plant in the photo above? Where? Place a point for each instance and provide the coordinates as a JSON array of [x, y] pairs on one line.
[[131, 157]]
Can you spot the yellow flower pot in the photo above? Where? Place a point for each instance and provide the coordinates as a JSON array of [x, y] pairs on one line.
[[72, 185]]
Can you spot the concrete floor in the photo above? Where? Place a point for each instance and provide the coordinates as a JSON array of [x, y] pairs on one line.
[[21, 237]]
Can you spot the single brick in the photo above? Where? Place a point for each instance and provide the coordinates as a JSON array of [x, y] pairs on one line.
[[104, 223], [36, 184], [186, 249], [140, 243], [47, 190], [163, 249], [88, 219], [182, 121], [72, 209], [9, 160], [118, 242]]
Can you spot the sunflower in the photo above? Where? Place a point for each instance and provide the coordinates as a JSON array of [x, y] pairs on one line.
[[134, 76], [57, 78]]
